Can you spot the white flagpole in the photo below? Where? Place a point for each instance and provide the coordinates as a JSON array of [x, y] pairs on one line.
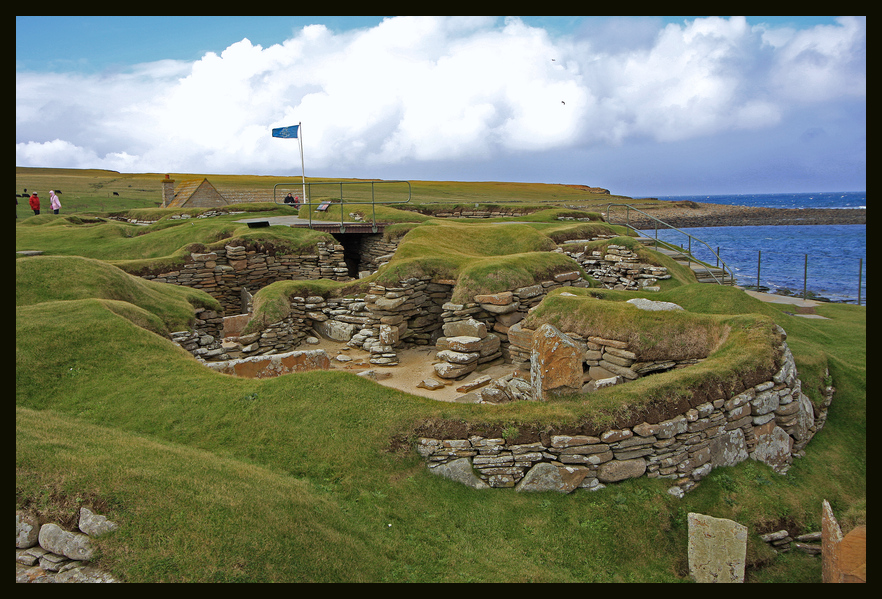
[[302, 171]]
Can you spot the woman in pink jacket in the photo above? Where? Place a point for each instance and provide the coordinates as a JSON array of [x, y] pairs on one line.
[[54, 202]]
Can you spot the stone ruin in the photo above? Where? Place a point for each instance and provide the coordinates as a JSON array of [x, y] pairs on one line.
[[770, 422]]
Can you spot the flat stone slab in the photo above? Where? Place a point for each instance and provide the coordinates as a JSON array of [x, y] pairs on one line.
[[274, 365], [717, 549], [652, 305]]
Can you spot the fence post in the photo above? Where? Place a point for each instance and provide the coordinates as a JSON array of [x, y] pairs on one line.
[[805, 277], [860, 272], [759, 257]]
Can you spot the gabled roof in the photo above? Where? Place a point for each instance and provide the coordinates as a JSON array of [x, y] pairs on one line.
[[186, 189]]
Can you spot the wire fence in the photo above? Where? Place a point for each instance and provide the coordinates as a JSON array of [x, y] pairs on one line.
[[819, 275]]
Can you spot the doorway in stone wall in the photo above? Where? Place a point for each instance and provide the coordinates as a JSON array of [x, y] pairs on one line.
[[354, 254]]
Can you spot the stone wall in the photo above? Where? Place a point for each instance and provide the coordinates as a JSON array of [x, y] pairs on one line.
[[224, 273], [619, 268], [386, 318], [770, 422], [369, 252], [49, 553], [601, 362]]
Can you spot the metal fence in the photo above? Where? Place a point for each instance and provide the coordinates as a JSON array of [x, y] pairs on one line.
[[796, 274], [323, 196], [782, 269], [721, 274]]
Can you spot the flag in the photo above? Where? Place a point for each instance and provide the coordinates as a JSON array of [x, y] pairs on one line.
[[286, 131]]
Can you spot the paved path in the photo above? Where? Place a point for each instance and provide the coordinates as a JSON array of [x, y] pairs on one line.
[[785, 299]]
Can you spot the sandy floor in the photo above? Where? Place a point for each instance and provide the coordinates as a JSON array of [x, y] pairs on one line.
[[414, 365]]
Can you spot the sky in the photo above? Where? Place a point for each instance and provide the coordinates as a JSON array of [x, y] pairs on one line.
[[642, 106]]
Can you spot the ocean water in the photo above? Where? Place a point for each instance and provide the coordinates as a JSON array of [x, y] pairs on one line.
[[829, 261], [824, 199]]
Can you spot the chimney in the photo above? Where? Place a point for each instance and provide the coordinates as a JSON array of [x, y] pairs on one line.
[[168, 191]]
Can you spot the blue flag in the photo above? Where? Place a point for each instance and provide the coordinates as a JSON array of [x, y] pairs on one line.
[[286, 131]]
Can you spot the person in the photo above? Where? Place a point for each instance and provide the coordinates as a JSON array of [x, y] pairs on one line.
[[297, 201], [289, 199], [34, 201], [54, 202]]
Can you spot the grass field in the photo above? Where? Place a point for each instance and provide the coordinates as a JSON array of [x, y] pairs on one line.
[[87, 190], [311, 477]]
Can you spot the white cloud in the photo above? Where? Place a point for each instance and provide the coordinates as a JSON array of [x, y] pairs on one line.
[[433, 89]]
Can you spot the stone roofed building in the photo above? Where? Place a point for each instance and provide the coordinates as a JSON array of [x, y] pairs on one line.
[[191, 194], [197, 193]]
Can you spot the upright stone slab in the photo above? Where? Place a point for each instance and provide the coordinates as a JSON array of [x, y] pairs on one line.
[[274, 365], [773, 446], [717, 549], [843, 558], [728, 448], [555, 363]]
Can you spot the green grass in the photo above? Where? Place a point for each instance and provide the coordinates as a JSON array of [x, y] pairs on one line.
[[161, 246], [312, 477]]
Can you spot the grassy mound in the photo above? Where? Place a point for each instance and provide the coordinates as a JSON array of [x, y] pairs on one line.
[[160, 246], [42, 279], [480, 257]]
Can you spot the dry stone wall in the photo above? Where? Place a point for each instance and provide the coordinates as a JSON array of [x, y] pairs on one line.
[[384, 320], [619, 268], [224, 273], [602, 362], [770, 422], [49, 553]]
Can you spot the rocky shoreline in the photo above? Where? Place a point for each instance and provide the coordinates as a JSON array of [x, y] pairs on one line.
[[695, 214]]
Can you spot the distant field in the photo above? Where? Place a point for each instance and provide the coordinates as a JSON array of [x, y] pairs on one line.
[[92, 190]]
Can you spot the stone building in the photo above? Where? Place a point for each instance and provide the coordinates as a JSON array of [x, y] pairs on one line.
[[191, 194]]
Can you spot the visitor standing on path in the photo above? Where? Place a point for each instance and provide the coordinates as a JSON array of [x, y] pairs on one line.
[[54, 202], [34, 201]]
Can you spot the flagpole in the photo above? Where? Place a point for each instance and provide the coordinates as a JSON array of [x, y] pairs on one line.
[[302, 171]]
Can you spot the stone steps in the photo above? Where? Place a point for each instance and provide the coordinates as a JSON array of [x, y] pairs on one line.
[[704, 274]]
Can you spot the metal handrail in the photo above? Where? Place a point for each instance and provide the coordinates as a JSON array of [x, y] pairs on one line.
[[373, 203], [688, 255]]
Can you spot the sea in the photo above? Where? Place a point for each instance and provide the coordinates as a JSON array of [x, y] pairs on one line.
[[826, 262]]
